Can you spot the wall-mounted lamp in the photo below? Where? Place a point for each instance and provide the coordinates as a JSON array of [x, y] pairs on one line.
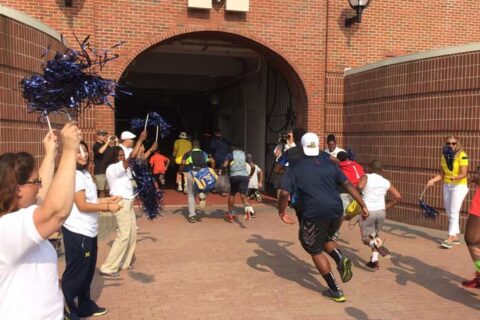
[[68, 3], [358, 6]]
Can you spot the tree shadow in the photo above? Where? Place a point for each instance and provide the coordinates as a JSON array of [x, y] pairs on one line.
[[356, 314], [273, 256], [408, 233], [442, 283]]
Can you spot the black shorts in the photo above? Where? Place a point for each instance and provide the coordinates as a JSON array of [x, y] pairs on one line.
[[314, 234], [238, 184]]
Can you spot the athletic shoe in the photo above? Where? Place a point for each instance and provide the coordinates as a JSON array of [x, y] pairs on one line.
[[474, 283], [229, 217], [446, 244], [258, 197], [202, 196], [373, 265], [113, 275], [179, 188], [248, 213], [336, 296], [345, 269], [192, 219], [384, 252], [456, 242]]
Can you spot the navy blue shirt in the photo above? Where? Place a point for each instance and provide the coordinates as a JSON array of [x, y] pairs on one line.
[[315, 181]]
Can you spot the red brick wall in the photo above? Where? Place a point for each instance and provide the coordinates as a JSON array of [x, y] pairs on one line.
[[401, 114], [294, 30], [20, 51], [390, 28]]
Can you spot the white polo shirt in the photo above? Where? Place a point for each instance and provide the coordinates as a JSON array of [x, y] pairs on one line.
[[119, 181], [85, 223], [29, 287], [126, 151]]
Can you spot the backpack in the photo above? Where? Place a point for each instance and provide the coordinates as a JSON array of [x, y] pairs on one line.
[[204, 180]]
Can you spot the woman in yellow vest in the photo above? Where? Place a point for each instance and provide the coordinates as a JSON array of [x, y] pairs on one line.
[[181, 146], [454, 168]]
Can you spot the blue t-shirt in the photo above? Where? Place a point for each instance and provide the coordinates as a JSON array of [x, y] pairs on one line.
[[315, 181]]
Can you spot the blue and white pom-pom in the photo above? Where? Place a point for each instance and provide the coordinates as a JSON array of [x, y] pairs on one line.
[[70, 82], [449, 155], [153, 119], [150, 197]]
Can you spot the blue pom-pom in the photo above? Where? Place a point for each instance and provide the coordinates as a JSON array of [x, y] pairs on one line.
[[449, 155], [150, 197], [154, 119], [70, 82], [428, 211]]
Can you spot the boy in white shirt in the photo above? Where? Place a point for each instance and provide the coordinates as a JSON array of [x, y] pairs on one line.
[[255, 182], [374, 187]]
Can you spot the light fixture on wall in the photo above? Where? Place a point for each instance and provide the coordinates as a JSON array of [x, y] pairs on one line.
[[358, 6], [68, 3]]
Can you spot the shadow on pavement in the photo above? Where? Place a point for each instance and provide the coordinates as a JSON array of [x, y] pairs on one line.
[[141, 277], [442, 283], [408, 233], [274, 256], [99, 282], [216, 214], [142, 236], [356, 314]]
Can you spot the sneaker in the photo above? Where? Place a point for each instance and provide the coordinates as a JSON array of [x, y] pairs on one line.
[[384, 252], [474, 283], [202, 196], [345, 269], [113, 274], [456, 242], [192, 219], [248, 213], [258, 197], [446, 244], [336, 296], [179, 188], [229, 217], [373, 265], [99, 312]]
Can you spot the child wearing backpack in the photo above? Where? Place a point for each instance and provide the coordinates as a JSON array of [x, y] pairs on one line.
[[200, 178]]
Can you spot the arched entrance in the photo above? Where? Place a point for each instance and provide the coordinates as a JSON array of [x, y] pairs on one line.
[[202, 81]]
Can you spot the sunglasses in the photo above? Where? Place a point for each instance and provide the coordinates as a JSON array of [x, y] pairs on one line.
[[450, 143], [37, 182]]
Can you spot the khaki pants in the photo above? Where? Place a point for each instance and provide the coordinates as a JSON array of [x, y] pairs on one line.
[[123, 247]]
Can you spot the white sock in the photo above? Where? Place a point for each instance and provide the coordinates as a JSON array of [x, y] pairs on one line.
[[372, 244], [374, 256]]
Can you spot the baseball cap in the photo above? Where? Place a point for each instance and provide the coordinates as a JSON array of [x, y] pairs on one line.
[[102, 132], [310, 144], [127, 135]]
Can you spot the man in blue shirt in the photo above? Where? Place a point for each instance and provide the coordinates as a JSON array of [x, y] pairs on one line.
[[315, 179]]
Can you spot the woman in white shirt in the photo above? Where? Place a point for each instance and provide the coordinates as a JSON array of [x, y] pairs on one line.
[[80, 239], [123, 247], [33, 205]]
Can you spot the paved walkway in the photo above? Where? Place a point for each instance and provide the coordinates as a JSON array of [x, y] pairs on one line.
[[258, 270]]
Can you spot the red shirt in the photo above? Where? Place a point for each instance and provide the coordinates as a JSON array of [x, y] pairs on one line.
[[475, 205], [352, 170], [158, 162]]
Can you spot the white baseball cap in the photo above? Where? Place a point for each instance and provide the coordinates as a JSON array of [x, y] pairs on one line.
[[127, 135], [310, 144]]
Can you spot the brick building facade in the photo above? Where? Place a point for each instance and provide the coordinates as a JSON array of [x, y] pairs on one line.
[[306, 40]]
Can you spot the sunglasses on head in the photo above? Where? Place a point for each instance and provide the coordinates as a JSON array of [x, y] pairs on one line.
[[450, 143], [37, 182]]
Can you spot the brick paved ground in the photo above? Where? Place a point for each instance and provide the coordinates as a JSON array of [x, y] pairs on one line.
[[257, 270]]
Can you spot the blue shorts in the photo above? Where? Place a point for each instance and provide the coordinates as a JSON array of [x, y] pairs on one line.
[[238, 184]]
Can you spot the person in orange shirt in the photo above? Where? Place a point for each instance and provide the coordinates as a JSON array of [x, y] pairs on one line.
[[159, 164]]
